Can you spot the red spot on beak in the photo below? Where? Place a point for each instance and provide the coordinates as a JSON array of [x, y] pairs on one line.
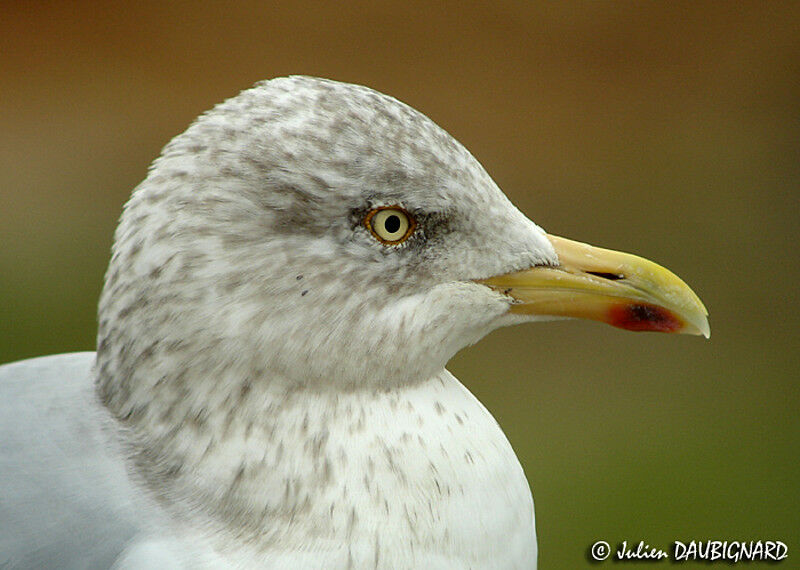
[[644, 317]]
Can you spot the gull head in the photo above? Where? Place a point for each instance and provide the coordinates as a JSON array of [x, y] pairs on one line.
[[325, 235]]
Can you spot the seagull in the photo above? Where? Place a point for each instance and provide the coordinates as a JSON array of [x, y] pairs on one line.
[[269, 387]]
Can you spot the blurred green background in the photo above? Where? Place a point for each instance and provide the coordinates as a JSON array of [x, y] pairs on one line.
[[669, 129]]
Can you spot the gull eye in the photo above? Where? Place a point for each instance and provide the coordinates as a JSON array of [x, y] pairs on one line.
[[390, 225]]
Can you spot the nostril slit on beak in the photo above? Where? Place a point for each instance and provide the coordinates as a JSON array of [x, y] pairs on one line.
[[609, 276]]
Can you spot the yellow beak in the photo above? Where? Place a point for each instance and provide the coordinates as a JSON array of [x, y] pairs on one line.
[[617, 288]]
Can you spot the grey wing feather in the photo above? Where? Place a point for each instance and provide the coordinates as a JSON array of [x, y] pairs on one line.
[[65, 498]]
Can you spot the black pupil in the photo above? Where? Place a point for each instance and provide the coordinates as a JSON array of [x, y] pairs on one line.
[[392, 224]]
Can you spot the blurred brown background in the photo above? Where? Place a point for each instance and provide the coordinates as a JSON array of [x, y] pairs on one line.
[[668, 129]]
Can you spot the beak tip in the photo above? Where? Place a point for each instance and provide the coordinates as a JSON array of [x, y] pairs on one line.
[[695, 324], [705, 328]]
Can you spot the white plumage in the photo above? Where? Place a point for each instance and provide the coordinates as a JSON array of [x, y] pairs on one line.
[[269, 388]]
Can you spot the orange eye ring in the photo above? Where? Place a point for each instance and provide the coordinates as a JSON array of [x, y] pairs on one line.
[[390, 225]]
